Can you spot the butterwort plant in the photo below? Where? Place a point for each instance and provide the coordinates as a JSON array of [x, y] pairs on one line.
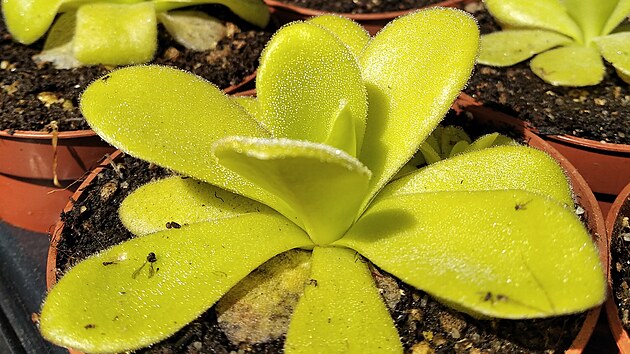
[[118, 32], [566, 38], [310, 164]]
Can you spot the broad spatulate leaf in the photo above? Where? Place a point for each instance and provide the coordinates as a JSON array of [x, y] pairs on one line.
[[341, 309], [144, 290], [511, 253]]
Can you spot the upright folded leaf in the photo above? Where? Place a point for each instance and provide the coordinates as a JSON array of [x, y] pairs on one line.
[[590, 15], [350, 32], [306, 77], [323, 185], [413, 70]]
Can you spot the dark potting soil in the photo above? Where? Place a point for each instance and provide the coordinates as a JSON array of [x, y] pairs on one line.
[[422, 322], [31, 95], [597, 112], [620, 264], [361, 6]]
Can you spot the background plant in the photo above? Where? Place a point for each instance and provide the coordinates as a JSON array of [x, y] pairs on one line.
[[118, 32], [567, 38], [308, 164]]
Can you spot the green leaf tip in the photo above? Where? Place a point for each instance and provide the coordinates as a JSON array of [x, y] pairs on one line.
[[120, 32], [553, 31], [486, 226]]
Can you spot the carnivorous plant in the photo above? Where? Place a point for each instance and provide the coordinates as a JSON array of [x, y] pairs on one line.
[[567, 38], [310, 164], [118, 32]]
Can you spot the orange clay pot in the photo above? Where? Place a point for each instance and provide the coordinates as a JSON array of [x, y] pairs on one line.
[[612, 223]]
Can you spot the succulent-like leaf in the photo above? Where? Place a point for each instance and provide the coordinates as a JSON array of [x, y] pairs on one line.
[[250, 104], [508, 47], [28, 20], [496, 168], [306, 77], [508, 254], [590, 15], [413, 69], [144, 290], [544, 14], [195, 30], [350, 32], [488, 140], [341, 310], [323, 185], [620, 13], [134, 109], [252, 11], [59, 47], [115, 34], [177, 201], [615, 48], [584, 68]]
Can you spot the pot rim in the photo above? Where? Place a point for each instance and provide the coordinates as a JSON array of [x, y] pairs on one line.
[[358, 17], [614, 322]]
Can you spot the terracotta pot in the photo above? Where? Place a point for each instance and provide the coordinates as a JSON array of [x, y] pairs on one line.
[[594, 218], [605, 167], [373, 22], [612, 225], [31, 201]]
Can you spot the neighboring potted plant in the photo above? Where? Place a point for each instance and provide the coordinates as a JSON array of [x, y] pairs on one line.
[[46, 145], [577, 46], [319, 147], [618, 305], [371, 15]]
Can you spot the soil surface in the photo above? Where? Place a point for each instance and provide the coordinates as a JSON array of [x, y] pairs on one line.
[[423, 323], [362, 6], [31, 95], [620, 264], [597, 112]]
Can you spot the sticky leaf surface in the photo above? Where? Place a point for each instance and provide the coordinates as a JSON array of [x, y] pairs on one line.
[[126, 110], [306, 76], [413, 70], [28, 20], [616, 49], [506, 48], [543, 14], [350, 32], [584, 69], [118, 300], [323, 185], [341, 309], [182, 201], [508, 254], [115, 34], [502, 167]]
